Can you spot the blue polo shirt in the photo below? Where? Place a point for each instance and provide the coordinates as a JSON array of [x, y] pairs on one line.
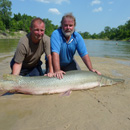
[[66, 50]]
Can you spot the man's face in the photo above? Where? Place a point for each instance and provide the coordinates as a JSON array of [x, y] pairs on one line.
[[37, 31], [68, 26]]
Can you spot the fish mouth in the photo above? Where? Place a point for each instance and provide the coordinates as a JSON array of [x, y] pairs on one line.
[[119, 80]]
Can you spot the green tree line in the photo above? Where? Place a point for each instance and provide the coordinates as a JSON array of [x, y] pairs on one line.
[[22, 22], [18, 21], [122, 32]]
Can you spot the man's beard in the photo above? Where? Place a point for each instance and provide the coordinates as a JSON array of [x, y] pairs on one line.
[[67, 34]]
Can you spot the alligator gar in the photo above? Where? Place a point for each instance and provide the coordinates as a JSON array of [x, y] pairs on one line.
[[73, 80]]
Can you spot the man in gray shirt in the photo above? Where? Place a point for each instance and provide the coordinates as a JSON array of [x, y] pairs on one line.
[[26, 61]]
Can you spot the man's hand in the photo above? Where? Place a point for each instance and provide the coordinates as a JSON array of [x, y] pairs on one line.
[[59, 74], [95, 71], [49, 74]]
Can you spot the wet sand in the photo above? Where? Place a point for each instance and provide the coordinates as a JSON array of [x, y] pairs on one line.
[[106, 108]]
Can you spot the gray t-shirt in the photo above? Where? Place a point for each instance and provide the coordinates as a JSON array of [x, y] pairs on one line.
[[29, 53]]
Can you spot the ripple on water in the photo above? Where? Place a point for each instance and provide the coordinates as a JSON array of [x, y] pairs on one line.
[[123, 62], [115, 73]]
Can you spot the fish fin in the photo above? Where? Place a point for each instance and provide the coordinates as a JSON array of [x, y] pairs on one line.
[[4, 93], [66, 93], [8, 93]]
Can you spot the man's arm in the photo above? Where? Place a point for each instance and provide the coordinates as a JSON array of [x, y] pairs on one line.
[[16, 68], [56, 61], [56, 64], [51, 72], [88, 63]]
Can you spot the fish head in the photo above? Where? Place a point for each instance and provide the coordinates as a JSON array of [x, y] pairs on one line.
[[106, 81]]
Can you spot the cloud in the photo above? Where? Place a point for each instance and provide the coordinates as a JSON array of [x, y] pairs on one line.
[[54, 1], [95, 2], [54, 11], [98, 9], [44, 1], [111, 2]]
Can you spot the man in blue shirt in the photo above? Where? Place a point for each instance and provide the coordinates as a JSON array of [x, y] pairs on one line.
[[64, 43]]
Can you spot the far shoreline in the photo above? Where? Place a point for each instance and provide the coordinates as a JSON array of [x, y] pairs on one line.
[[19, 34]]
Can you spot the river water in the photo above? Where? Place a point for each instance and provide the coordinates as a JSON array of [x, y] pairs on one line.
[[111, 49], [96, 48]]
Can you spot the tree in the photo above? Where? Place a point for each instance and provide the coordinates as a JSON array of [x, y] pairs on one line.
[[26, 22], [113, 34], [17, 17], [49, 27], [102, 35], [94, 36], [86, 35], [2, 26], [13, 26], [107, 31], [127, 25], [5, 11]]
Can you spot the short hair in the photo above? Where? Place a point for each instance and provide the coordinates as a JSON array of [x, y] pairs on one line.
[[68, 15], [39, 20]]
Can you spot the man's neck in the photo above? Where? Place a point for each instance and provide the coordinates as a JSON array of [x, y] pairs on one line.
[[34, 40], [67, 38]]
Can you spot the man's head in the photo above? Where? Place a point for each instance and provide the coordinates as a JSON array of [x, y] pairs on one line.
[[37, 29], [68, 24]]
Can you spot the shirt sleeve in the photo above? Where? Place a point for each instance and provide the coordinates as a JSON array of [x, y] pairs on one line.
[[55, 42], [20, 53], [46, 40], [81, 47]]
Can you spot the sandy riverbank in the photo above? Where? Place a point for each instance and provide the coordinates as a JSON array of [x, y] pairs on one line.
[[12, 35], [106, 108]]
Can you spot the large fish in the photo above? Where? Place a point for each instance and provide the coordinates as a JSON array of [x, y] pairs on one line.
[[73, 80]]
